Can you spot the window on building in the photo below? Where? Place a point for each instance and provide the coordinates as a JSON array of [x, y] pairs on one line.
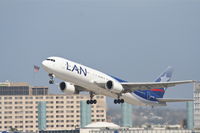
[[18, 97], [8, 107], [30, 97], [29, 102], [18, 102], [7, 102], [8, 112], [7, 117], [7, 98], [18, 107], [59, 102], [18, 117], [59, 107], [39, 91], [14, 90]]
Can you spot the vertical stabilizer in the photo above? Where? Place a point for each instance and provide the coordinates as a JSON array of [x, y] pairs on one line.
[[164, 77]]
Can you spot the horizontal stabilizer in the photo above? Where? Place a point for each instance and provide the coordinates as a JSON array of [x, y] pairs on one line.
[[173, 100], [130, 87]]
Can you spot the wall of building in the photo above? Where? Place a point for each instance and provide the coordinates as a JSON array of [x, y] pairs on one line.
[[134, 131], [190, 115], [62, 111], [85, 114], [21, 88], [197, 105], [126, 115]]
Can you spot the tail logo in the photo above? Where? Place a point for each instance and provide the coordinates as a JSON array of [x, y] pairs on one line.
[[164, 78]]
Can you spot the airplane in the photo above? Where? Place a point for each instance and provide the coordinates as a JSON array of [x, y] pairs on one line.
[[77, 78]]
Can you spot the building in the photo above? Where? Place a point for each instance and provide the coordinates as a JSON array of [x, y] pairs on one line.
[[21, 88], [105, 127], [19, 108], [41, 115], [136, 131], [190, 115], [85, 114], [196, 105], [126, 115]]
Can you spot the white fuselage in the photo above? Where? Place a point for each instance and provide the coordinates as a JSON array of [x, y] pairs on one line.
[[86, 77]]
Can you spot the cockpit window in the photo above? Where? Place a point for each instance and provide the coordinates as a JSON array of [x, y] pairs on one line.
[[51, 60]]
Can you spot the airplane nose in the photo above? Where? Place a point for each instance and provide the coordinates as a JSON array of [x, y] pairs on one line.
[[44, 63]]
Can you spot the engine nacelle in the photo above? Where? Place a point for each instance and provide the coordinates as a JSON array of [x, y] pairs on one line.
[[67, 88], [113, 86]]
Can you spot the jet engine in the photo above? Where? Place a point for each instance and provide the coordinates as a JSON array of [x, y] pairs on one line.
[[68, 88], [114, 86]]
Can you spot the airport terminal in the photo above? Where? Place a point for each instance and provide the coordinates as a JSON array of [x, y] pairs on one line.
[[26, 108]]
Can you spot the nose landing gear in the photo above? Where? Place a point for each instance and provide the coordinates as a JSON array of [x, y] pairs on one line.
[[51, 81]]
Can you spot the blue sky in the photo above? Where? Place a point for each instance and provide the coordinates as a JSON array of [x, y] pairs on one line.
[[131, 39]]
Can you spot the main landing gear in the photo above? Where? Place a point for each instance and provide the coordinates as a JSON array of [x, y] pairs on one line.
[[91, 101], [118, 101], [51, 81]]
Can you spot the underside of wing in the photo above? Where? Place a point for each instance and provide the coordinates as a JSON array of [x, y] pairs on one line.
[[130, 87], [173, 100]]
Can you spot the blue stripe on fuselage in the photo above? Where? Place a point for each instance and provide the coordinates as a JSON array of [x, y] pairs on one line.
[[146, 94], [118, 79]]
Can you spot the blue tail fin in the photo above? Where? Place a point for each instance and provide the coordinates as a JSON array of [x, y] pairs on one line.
[[164, 77]]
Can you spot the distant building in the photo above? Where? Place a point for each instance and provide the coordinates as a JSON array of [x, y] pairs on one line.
[[105, 127], [42, 115], [197, 105], [19, 108], [126, 115], [21, 88], [102, 125], [190, 115], [85, 113]]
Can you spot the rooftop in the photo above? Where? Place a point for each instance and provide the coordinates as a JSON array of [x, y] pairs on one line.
[[102, 125]]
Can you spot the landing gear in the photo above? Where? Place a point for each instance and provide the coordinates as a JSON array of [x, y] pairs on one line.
[[118, 101], [91, 101], [51, 81]]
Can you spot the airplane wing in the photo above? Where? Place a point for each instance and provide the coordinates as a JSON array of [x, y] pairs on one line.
[[130, 87], [173, 100]]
